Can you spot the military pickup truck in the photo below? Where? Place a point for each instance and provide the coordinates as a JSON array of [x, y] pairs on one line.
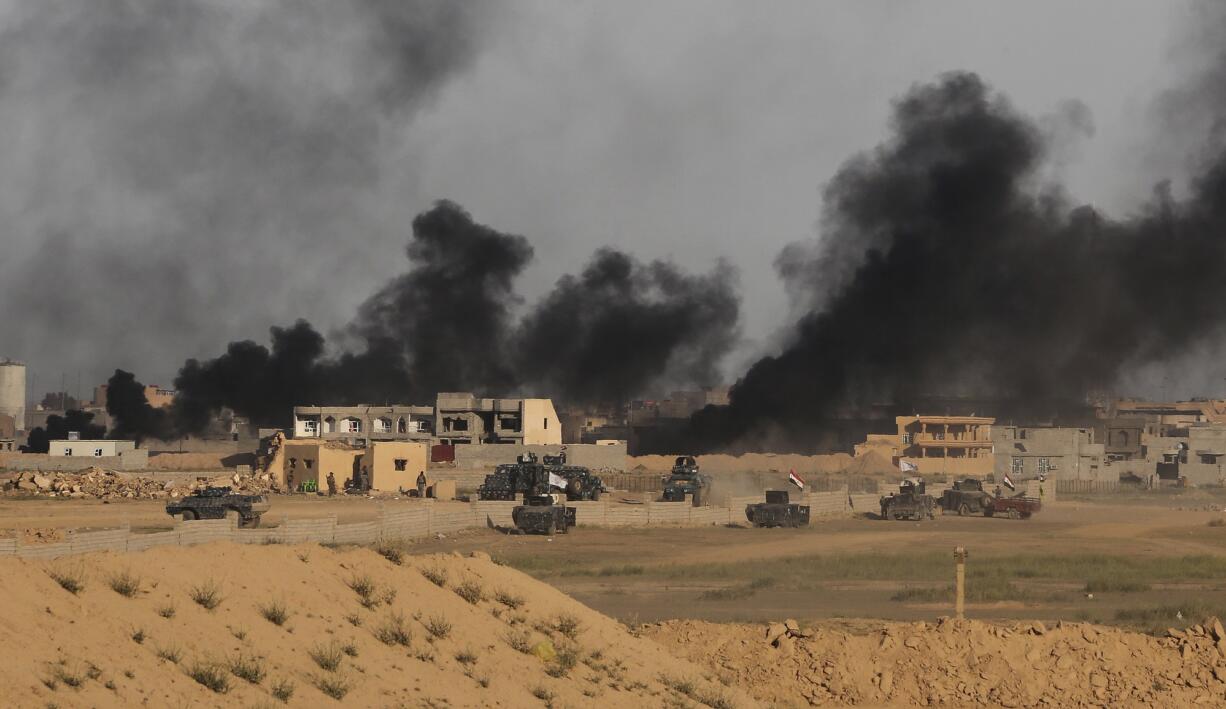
[[1019, 507], [777, 511], [219, 503]]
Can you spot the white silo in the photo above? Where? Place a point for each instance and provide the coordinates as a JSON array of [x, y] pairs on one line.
[[13, 391]]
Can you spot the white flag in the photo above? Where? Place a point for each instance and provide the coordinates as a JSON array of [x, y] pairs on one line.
[[556, 480], [907, 466]]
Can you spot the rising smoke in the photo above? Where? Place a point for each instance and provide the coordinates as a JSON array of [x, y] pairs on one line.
[[947, 268]]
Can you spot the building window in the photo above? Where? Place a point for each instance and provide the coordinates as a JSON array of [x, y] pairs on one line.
[[308, 463], [546, 424], [402, 426], [1016, 466], [329, 425], [67, 451], [907, 438], [423, 426], [293, 463], [351, 425], [310, 427], [1044, 466], [98, 452], [401, 464], [383, 425]]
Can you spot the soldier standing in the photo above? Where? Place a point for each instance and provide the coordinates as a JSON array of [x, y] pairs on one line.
[[331, 485], [421, 484]]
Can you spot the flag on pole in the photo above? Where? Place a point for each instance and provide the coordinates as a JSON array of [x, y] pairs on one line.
[[556, 480], [796, 479], [1008, 481], [907, 466]]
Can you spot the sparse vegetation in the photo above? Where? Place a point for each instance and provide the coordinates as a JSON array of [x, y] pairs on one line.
[[328, 656], [735, 593], [138, 636], [170, 653], [1217, 522], [304, 557], [125, 583], [211, 675], [275, 612], [438, 626], [207, 595], [282, 689], [437, 575], [394, 631], [470, 591], [1109, 585], [466, 656], [70, 578], [354, 619], [350, 649], [70, 674], [542, 693], [393, 551], [167, 611], [333, 686], [248, 667], [568, 625], [508, 599], [519, 640], [238, 633]]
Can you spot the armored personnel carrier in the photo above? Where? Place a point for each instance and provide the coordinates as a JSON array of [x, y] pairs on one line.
[[543, 511], [910, 502], [218, 503], [686, 480], [777, 511], [511, 479]]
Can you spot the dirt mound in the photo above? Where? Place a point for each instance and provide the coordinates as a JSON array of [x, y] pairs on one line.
[[959, 663], [324, 627], [110, 485]]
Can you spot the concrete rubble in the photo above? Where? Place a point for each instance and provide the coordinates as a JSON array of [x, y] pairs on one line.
[[109, 485]]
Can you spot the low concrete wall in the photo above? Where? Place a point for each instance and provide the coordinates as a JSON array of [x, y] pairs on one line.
[[127, 460], [593, 456], [412, 521]]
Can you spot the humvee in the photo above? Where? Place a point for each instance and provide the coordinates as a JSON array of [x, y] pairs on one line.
[[218, 503], [543, 511], [686, 480], [777, 511], [510, 479], [910, 502], [966, 497]]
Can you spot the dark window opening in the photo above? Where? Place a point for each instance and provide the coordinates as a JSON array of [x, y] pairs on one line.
[[401, 464]]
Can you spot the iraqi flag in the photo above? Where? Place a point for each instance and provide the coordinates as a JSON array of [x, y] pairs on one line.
[[1008, 481], [796, 479]]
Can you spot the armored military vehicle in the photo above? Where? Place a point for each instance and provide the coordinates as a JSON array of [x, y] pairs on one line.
[[966, 497], [686, 480], [910, 502], [543, 511], [510, 479], [777, 511], [218, 503]]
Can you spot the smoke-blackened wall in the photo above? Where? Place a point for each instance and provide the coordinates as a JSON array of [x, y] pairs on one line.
[[947, 268]]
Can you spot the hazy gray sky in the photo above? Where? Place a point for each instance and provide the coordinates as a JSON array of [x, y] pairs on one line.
[[688, 130]]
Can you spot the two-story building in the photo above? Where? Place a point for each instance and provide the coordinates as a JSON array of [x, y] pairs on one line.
[[1027, 453], [951, 445]]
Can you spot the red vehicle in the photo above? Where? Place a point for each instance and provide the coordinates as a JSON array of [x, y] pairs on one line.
[[1013, 507]]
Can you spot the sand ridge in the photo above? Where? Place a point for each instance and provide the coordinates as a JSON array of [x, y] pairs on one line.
[[113, 647]]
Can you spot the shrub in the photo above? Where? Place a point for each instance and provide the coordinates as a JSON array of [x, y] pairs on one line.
[[437, 575], [207, 595], [70, 676], [170, 653], [466, 657], [354, 619], [519, 640], [248, 667], [350, 649], [167, 611], [283, 689], [328, 657], [275, 612], [470, 591], [438, 626], [509, 599], [211, 675], [542, 694], [71, 579], [392, 551], [362, 585], [568, 625], [125, 583], [333, 686], [394, 631], [138, 636]]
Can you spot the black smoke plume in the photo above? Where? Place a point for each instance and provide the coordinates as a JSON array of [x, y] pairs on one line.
[[947, 270], [448, 324], [621, 326], [450, 314], [132, 417], [58, 427]]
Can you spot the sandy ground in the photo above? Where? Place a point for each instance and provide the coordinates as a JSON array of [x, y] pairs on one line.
[[98, 647]]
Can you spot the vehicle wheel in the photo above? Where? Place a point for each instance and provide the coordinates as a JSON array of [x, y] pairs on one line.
[[189, 516], [896, 516], [1014, 514], [987, 512], [1025, 515], [552, 529], [595, 495], [964, 510]]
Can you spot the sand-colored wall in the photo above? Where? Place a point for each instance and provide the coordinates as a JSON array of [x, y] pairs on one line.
[[314, 460], [541, 423], [871, 463], [380, 459]]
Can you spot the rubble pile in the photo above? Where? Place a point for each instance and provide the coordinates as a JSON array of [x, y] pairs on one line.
[[961, 663], [109, 485]]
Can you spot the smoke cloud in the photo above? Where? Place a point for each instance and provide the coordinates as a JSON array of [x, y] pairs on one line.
[[948, 269]]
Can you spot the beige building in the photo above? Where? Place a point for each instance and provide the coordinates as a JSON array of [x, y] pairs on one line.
[[92, 449], [950, 445], [311, 461], [360, 424], [1027, 453], [395, 465]]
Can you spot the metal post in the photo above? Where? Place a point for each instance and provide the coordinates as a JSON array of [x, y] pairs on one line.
[[959, 581]]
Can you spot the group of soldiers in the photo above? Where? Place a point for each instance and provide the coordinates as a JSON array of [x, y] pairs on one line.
[[361, 481]]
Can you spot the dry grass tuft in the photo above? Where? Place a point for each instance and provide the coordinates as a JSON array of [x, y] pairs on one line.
[[207, 595], [211, 675], [394, 631], [125, 583], [70, 578], [248, 667], [333, 686], [470, 591], [283, 689], [167, 611], [275, 612], [437, 575], [438, 626], [508, 599], [328, 657]]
